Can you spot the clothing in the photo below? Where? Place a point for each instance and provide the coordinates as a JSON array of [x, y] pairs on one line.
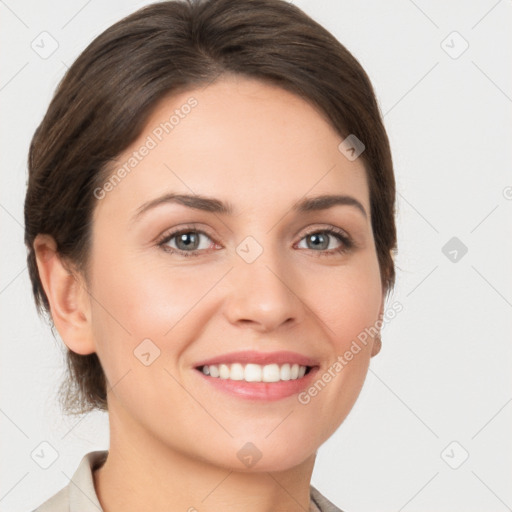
[[80, 495]]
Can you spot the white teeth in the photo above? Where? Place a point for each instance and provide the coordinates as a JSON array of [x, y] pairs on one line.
[[224, 371], [252, 373], [236, 372], [285, 373], [256, 372], [271, 373]]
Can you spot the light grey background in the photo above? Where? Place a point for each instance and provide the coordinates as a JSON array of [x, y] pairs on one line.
[[444, 371]]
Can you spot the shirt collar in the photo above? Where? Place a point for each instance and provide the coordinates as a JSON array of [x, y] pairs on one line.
[[82, 495]]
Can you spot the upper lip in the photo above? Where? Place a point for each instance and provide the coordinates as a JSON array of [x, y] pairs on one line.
[[262, 358]]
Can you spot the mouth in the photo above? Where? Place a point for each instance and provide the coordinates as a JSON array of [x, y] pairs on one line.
[[252, 372], [258, 376]]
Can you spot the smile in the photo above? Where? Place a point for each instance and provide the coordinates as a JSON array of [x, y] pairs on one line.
[[256, 372]]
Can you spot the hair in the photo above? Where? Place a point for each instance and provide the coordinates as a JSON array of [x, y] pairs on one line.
[[105, 98]]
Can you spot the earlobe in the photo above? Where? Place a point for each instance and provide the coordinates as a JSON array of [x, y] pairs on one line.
[[68, 298], [377, 341], [377, 345]]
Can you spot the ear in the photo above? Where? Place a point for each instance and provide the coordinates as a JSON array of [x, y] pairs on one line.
[[377, 342], [70, 305]]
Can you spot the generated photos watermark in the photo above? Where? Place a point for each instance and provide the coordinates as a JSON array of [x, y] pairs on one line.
[[151, 142], [343, 359]]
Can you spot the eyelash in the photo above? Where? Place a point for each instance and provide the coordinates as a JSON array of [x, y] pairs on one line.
[[347, 242]]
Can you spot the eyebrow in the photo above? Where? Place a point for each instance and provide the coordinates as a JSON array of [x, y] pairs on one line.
[[212, 205]]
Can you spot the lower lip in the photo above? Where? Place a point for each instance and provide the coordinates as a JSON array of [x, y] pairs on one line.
[[266, 391]]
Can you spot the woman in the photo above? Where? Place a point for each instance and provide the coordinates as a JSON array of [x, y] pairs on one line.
[[210, 224]]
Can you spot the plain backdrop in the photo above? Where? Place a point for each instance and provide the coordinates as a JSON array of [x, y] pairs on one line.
[[431, 429]]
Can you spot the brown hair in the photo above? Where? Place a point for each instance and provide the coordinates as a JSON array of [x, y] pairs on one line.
[[102, 103]]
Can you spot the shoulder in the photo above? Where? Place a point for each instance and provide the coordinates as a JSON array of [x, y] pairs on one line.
[[59, 502], [323, 504], [79, 495]]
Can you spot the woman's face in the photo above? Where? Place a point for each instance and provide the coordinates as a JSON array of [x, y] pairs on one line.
[[264, 277]]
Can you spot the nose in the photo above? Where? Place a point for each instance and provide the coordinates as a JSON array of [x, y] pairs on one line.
[[263, 295]]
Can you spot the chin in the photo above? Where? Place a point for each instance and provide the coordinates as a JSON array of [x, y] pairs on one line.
[[251, 458]]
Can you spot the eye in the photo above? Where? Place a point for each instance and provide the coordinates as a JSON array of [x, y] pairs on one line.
[[186, 242], [320, 241]]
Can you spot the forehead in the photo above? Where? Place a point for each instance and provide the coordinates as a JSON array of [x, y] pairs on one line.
[[244, 141]]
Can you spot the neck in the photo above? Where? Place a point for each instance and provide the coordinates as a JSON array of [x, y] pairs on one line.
[[142, 474]]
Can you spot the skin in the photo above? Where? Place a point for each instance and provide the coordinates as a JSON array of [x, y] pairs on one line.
[[173, 437]]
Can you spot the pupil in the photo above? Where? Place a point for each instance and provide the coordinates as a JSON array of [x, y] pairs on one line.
[[183, 238], [317, 237]]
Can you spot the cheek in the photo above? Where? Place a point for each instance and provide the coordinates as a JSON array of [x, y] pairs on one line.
[[141, 295], [347, 300], [159, 300], [137, 301]]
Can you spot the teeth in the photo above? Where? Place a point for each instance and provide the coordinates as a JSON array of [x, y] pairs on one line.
[[256, 372], [285, 372], [236, 372]]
